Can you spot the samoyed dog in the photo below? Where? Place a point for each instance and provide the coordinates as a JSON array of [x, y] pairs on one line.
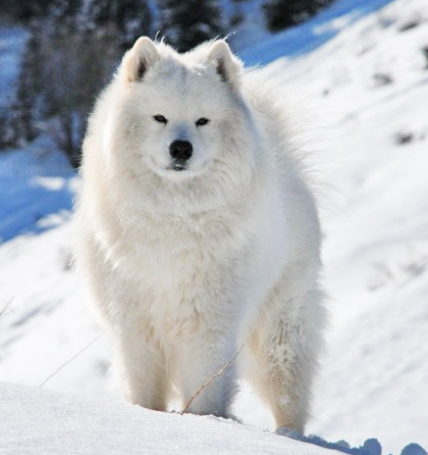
[[198, 236]]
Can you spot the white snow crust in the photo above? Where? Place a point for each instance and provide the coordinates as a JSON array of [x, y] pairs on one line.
[[41, 422]]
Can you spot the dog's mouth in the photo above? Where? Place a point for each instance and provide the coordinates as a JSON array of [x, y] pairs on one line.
[[176, 170], [177, 166]]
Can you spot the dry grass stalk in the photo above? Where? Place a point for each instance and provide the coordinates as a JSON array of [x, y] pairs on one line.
[[219, 372]]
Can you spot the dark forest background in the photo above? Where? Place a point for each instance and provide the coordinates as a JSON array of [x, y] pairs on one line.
[[74, 46]]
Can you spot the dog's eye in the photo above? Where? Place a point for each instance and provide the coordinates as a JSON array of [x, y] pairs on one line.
[[202, 121], [160, 119]]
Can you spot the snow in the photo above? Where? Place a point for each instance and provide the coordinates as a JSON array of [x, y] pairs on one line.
[[376, 244], [43, 422], [35, 182], [46, 321], [359, 64], [306, 37]]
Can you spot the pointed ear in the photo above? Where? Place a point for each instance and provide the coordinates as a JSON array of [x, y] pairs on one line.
[[139, 59], [226, 64]]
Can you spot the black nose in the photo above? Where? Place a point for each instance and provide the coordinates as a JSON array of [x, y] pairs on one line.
[[180, 151]]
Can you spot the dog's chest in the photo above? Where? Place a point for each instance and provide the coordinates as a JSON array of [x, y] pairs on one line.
[[181, 273], [183, 290], [173, 251]]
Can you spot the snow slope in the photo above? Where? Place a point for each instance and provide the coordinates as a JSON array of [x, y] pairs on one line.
[[370, 87], [376, 239], [38, 422], [264, 48], [45, 321], [35, 182]]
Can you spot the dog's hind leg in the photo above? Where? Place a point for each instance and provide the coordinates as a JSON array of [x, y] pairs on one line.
[[282, 353]]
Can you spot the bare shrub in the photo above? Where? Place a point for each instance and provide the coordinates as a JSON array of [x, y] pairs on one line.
[[63, 70], [424, 51], [411, 22], [382, 79], [75, 68], [404, 137]]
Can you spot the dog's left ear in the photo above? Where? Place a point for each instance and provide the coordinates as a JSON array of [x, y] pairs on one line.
[[139, 59], [228, 66]]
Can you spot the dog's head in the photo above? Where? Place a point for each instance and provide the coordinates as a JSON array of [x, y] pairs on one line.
[[180, 113]]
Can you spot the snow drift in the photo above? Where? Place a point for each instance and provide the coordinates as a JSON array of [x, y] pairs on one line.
[[36, 422]]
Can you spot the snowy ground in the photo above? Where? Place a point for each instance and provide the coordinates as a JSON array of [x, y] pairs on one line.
[[58, 424], [37, 189], [370, 79], [369, 84]]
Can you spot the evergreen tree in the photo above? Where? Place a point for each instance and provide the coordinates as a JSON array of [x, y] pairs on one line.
[[64, 13], [186, 24], [133, 20], [76, 67], [281, 14], [29, 88], [25, 11], [126, 19]]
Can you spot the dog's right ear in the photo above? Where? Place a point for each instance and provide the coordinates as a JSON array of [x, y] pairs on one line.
[[139, 59], [227, 66]]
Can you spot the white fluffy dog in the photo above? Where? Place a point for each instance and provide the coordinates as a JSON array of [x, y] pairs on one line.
[[197, 234]]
